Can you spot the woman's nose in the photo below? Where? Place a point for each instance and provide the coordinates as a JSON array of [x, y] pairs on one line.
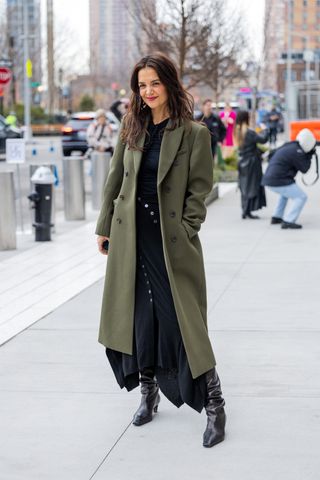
[[149, 90]]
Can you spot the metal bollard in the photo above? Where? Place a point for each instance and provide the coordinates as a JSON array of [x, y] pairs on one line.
[[73, 188], [100, 170], [32, 169], [7, 212]]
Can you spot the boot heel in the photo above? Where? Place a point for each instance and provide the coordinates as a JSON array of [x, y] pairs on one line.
[[155, 409]]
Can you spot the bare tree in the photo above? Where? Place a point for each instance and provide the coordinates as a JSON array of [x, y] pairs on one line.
[[227, 50], [207, 44]]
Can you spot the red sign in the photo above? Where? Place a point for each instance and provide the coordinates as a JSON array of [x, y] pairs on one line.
[[1, 92], [5, 75]]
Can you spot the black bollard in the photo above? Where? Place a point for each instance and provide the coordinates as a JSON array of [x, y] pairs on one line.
[[43, 180]]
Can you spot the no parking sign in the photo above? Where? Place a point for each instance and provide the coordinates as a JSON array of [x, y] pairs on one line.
[[15, 150]]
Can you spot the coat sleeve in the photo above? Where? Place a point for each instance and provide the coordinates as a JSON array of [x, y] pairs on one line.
[[262, 137], [90, 135], [111, 190], [302, 162], [200, 182]]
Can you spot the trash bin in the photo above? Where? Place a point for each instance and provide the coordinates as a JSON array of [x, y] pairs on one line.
[[73, 188], [7, 212], [43, 180], [100, 170]]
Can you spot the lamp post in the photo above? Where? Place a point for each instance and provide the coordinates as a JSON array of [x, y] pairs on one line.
[[289, 67], [27, 68]]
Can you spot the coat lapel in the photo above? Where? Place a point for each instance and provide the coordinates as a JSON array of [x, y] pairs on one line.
[[170, 144], [137, 154]]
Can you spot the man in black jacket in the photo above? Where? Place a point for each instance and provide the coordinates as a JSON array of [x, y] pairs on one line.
[[216, 128], [280, 175]]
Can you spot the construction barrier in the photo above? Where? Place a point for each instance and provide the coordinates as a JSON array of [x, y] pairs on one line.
[[298, 125]]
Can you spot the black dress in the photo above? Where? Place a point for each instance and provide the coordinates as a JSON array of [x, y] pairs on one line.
[[157, 337]]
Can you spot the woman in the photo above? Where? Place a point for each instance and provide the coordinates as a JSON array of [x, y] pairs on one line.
[[153, 320], [249, 165], [228, 117]]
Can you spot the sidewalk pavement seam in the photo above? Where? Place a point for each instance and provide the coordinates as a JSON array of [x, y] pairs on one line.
[[45, 277], [110, 450]]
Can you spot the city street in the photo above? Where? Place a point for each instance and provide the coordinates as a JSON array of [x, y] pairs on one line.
[[62, 413]]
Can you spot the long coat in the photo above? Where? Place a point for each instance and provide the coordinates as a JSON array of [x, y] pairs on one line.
[[185, 177]]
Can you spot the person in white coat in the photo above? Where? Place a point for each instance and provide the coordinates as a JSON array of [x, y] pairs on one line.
[[99, 133]]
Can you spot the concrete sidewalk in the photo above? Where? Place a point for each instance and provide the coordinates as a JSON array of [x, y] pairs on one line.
[[64, 418]]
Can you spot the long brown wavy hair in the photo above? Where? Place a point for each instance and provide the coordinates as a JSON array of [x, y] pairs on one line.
[[241, 127], [180, 102]]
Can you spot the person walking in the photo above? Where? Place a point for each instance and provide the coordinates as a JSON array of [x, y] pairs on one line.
[[214, 123], [99, 133], [228, 117], [285, 163], [249, 165], [272, 123], [154, 315]]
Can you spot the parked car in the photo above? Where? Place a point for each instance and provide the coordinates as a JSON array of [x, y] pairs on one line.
[[74, 132], [7, 131]]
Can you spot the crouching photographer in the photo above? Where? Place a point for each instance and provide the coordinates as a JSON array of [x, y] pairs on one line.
[[284, 164]]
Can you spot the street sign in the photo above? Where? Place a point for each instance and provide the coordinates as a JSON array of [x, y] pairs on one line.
[[308, 56], [35, 84], [5, 75], [29, 68], [15, 150]]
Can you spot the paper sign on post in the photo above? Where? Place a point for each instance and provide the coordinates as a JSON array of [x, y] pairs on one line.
[[15, 150]]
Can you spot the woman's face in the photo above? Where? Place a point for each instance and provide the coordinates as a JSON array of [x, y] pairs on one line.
[[152, 91]]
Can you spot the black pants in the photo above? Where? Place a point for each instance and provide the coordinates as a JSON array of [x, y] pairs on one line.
[[273, 135]]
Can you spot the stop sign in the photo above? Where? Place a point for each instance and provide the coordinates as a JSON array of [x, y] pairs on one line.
[[5, 75]]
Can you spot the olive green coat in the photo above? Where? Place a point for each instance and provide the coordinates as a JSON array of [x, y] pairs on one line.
[[185, 177]]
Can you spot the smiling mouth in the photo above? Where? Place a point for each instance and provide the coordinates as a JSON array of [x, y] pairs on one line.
[[151, 98]]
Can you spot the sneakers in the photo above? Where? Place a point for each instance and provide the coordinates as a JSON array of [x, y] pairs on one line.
[[275, 220], [284, 224], [294, 226]]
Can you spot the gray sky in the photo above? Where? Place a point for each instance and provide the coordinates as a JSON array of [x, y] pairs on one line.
[[77, 13]]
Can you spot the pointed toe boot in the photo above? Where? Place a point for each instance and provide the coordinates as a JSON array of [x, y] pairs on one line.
[[216, 421], [150, 399]]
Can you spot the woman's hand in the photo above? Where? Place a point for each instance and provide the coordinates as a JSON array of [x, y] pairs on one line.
[[100, 240]]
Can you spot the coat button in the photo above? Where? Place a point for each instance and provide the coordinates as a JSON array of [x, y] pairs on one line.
[[127, 173], [172, 214], [119, 220], [167, 189], [122, 197], [173, 239]]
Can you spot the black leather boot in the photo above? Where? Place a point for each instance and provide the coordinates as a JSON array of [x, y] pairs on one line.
[[216, 422], [150, 398]]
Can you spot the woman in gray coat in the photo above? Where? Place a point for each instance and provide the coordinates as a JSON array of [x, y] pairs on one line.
[[153, 320]]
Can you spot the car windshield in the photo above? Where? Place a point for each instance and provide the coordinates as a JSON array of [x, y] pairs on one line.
[[79, 124]]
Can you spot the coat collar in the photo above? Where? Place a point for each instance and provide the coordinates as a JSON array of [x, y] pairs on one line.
[[169, 146]]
